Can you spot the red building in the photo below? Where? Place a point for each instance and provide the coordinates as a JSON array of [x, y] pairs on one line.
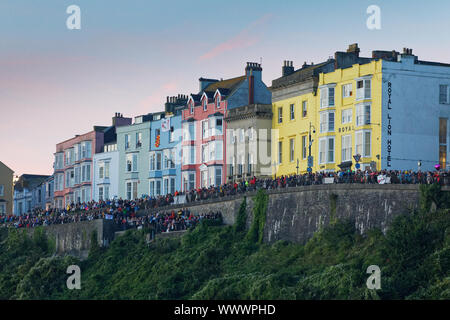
[[73, 166], [204, 129]]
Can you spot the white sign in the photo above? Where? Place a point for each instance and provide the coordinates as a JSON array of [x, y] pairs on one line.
[[381, 179], [328, 180]]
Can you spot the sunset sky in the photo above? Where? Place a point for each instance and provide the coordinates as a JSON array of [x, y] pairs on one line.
[[129, 55]]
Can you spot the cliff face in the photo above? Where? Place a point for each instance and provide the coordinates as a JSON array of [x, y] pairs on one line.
[[293, 214]]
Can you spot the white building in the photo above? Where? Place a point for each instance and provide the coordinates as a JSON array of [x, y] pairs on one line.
[[415, 113], [106, 175]]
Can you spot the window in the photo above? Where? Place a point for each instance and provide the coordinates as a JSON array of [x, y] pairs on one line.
[[444, 94], [191, 181], [218, 178], [327, 121], [347, 116], [192, 107], [171, 135], [346, 148], [347, 90], [127, 141], [204, 153], [152, 161], [219, 130], [158, 161], [172, 185], [205, 104], [129, 190], [101, 171], [129, 163], [362, 114], [292, 149], [249, 162], [292, 111], [106, 170], [106, 192], [304, 146], [363, 143], [280, 115], [205, 130], [2, 190], [241, 165], [152, 187], [138, 139], [363, 90], [85, 173], [241, 135], [250, 133], [166, 186], [326, 150], [2, 208], [218, 101], [280, 154], [327, 97], [304, 109], [100, 193]]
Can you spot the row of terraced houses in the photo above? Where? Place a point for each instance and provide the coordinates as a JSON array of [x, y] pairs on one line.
[[388, 111]]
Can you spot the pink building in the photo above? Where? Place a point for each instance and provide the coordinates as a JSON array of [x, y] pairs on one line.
[[73, 166], [204, 129]]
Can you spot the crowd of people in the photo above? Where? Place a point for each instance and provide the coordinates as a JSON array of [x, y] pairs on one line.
[[133, 212]]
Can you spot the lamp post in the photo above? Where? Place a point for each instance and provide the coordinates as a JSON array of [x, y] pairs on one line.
[[310, 144], [297, 165], [419, 165]]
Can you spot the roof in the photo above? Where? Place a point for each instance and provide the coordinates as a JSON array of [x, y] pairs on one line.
[[4, 165], [229, 84], [301, 74], [29, 181]]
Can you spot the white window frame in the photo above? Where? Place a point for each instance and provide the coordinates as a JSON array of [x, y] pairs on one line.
[[324, 150], [347, 91], [325, 121], [292, 111], [361, 115], [325, 97], [280, 114], [347, 116], [362, 149], [365, 92], [347, 149]]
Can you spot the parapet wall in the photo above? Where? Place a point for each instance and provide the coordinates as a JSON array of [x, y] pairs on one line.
[[293, 214]]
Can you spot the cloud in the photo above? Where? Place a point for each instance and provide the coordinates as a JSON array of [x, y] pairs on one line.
[[155, 101], [246, 38]]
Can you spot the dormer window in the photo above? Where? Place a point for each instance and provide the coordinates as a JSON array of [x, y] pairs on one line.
[[205, 103], [191, 106]]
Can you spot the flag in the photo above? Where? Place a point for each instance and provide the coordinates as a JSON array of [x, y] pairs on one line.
[[165, 125]]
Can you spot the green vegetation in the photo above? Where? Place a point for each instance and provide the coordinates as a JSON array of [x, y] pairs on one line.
[[216, 262]]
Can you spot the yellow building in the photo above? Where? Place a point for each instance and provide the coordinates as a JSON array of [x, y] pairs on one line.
[[6, 189], [336, 105]]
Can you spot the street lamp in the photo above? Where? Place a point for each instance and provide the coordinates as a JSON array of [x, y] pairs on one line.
[[419, 164], [297, 165], [310, 144]]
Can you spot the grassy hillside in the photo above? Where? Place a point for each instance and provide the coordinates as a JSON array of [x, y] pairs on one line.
[[213, 262]]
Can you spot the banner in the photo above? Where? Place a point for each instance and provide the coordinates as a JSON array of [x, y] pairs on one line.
[[181, 199], [109, 217], [165, 125], [328, 180]]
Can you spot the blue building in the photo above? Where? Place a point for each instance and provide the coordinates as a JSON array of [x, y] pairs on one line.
[[165, 154]]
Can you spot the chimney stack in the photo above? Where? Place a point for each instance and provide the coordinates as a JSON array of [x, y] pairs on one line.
[[288, 68]]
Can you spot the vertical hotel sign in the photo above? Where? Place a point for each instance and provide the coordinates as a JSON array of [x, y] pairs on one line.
[[389, 126]]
